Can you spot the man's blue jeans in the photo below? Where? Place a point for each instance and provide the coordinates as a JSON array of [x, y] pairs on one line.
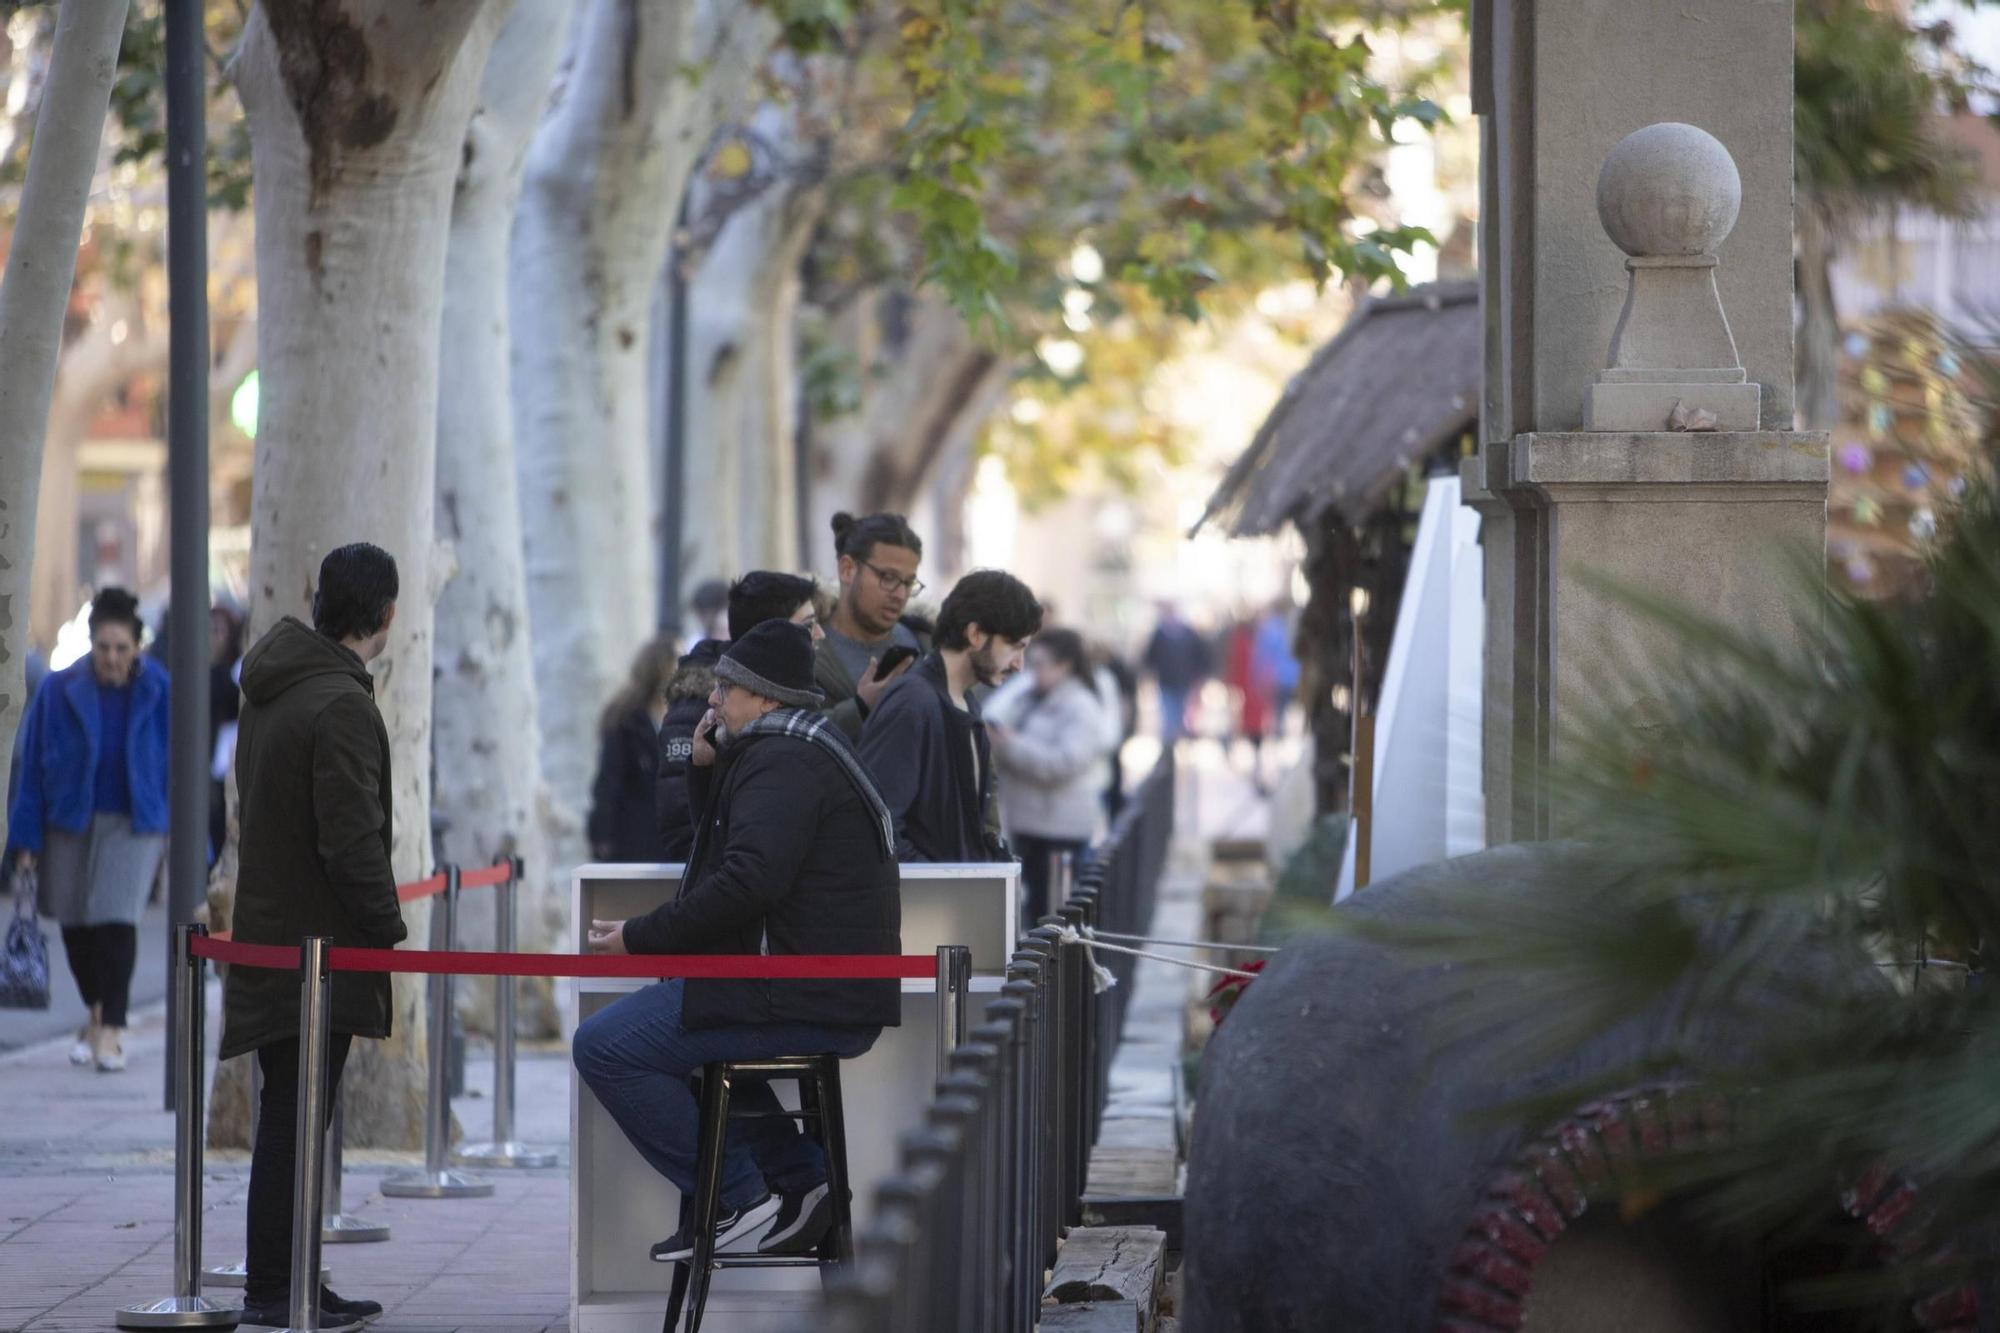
[[640, 1062]]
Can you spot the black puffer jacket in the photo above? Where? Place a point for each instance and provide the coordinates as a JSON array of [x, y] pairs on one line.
[[687, 703], [790, 862], [312, 764]]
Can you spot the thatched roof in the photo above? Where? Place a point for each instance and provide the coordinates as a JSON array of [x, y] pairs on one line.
[[1401, 379]]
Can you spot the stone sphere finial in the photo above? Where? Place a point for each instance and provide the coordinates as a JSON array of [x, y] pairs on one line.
[[1669, 190]]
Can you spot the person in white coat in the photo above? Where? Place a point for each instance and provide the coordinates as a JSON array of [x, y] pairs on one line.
[[1049, 742]]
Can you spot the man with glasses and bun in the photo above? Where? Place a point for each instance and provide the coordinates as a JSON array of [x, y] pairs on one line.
[[870, 641]]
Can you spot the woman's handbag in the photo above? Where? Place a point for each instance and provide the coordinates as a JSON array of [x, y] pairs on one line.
[[24, 954]]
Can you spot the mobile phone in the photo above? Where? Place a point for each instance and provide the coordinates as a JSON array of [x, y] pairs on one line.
[[892, 659]]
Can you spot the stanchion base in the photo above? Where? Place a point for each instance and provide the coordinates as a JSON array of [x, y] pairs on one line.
[[510, 1155], [232, 1275], [435, 1185], [347, 1229], [180, 1312]]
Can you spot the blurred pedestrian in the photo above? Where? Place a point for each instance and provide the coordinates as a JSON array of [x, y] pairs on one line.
[[710, 604], [1118, 690], [1049, 744], [870, 641], [1178, 660], [225, 701], [1276, 662], [624, 818], [924, 743], [1250, 691], [90, 816], [687, 703], [315, 829]]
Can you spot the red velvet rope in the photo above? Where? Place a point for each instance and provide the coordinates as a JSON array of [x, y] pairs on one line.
[[497, 873], [825, 967], [423, 888]]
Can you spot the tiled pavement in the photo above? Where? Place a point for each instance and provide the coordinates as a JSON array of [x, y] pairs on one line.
[[86, 1205]]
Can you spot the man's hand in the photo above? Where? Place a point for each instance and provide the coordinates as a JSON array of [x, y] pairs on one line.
[[702, 752], [26, 860], [607, 937], [871, 686]]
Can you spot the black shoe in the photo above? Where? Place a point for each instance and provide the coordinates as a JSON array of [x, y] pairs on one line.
[[803, 1219], [278, 1314], [732, 1227], [331, 1304]]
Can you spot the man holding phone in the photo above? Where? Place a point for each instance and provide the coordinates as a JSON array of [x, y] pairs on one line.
[[869, 641]]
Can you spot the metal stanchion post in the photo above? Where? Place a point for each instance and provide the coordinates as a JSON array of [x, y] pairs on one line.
[[187, 1307], [234, 1275], [315, 1013], [954, 984], [502, 1150], [436, 1180], [338, 1227]]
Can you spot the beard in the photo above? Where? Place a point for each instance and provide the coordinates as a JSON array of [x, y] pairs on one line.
[[989, 665]]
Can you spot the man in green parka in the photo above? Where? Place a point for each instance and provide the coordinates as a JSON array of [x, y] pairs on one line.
[[312, 767]]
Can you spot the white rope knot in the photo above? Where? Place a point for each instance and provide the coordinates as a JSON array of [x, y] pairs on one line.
[[1101, 979], [1092, 941]]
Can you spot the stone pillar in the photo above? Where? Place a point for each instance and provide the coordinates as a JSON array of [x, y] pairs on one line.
[[1636, 424]]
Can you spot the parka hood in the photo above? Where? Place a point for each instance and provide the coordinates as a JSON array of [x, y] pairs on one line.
[[294, 652]]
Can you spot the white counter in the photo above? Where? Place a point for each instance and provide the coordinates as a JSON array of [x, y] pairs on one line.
[[619, 1206]]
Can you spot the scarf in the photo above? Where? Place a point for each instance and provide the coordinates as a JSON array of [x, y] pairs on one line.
[[812, 727]]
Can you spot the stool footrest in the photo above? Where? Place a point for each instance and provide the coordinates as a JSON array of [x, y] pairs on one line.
[[771, 1261]]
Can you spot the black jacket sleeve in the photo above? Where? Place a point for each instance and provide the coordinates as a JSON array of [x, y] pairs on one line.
[[769, 840], [348, 758], [893, 745]]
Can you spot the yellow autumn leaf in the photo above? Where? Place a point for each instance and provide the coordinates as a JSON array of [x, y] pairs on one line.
[[731, 161]]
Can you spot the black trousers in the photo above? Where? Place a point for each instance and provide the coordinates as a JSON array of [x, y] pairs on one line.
[[101, 959], [1035, 854], [273, 1159]]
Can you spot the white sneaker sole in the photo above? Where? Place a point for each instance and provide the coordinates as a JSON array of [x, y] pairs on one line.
[[748, 1225]]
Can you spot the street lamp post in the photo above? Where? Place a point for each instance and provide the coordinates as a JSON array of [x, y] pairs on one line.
[[187, 474]]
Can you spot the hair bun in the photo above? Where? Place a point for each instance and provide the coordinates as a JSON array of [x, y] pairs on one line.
[[843, 523], [115, 602]]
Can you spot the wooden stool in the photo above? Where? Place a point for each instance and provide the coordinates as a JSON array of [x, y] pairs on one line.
[[818, 1077]]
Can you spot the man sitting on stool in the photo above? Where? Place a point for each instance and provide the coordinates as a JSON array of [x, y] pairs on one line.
[[794, 853]]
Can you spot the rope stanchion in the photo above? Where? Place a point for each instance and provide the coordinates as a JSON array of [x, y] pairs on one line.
[[502, 1150], [315, 1039], [437, 1180], [339, 1227], [187, 1307]]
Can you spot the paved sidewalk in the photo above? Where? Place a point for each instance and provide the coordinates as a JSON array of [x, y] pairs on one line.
[[86, 1203]]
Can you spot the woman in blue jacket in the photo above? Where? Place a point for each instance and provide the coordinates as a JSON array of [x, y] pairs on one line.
[[90, 814]]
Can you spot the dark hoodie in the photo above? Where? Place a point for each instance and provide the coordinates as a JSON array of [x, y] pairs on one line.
[[312, 767]]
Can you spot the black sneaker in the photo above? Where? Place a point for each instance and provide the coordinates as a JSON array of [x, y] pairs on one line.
[[278, 1314], [731, 1228], [802, 1222]]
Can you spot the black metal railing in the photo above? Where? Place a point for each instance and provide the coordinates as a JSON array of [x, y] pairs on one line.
[[962, 1234]]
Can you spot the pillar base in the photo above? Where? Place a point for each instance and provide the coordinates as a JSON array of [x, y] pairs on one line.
[[435, 1185]]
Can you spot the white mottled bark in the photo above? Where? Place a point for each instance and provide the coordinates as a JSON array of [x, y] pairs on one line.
[[487, 747], [357, 117], [927, 384], [41, 260], [742, 381], [647, 85]]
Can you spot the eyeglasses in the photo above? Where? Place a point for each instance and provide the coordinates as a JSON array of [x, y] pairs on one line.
[[891, 581]]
